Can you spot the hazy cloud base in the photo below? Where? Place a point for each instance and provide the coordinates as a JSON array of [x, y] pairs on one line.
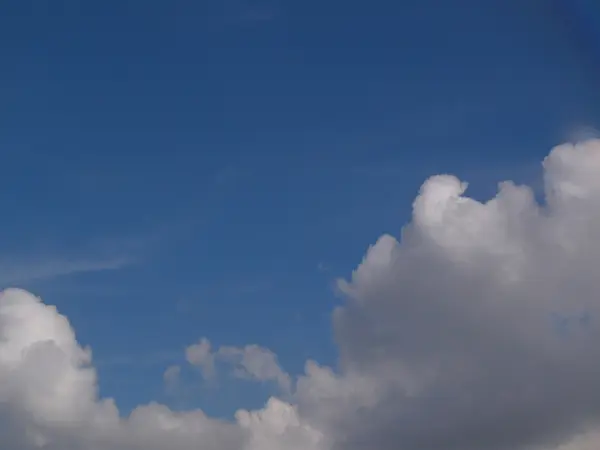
[[476, 330]]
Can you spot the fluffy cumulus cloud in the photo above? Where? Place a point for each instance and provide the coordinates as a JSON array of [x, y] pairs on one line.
[[250, 362], [476, 330]]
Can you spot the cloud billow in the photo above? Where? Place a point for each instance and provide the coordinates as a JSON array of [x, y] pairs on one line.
[[477, 330]]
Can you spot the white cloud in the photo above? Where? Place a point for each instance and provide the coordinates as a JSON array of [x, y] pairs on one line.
[[257, 363], [448, 339], [200, 355], [250, 362]]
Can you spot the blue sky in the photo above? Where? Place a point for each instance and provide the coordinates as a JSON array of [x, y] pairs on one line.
[[178, 169]]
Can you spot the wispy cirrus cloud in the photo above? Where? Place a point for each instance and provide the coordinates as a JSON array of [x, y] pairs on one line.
[[39, 268], [46, 261]]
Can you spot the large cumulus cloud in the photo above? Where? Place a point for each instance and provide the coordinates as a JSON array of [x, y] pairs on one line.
[[476, 330]]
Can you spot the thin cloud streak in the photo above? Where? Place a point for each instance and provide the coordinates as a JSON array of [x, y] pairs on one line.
[[45, 268]]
